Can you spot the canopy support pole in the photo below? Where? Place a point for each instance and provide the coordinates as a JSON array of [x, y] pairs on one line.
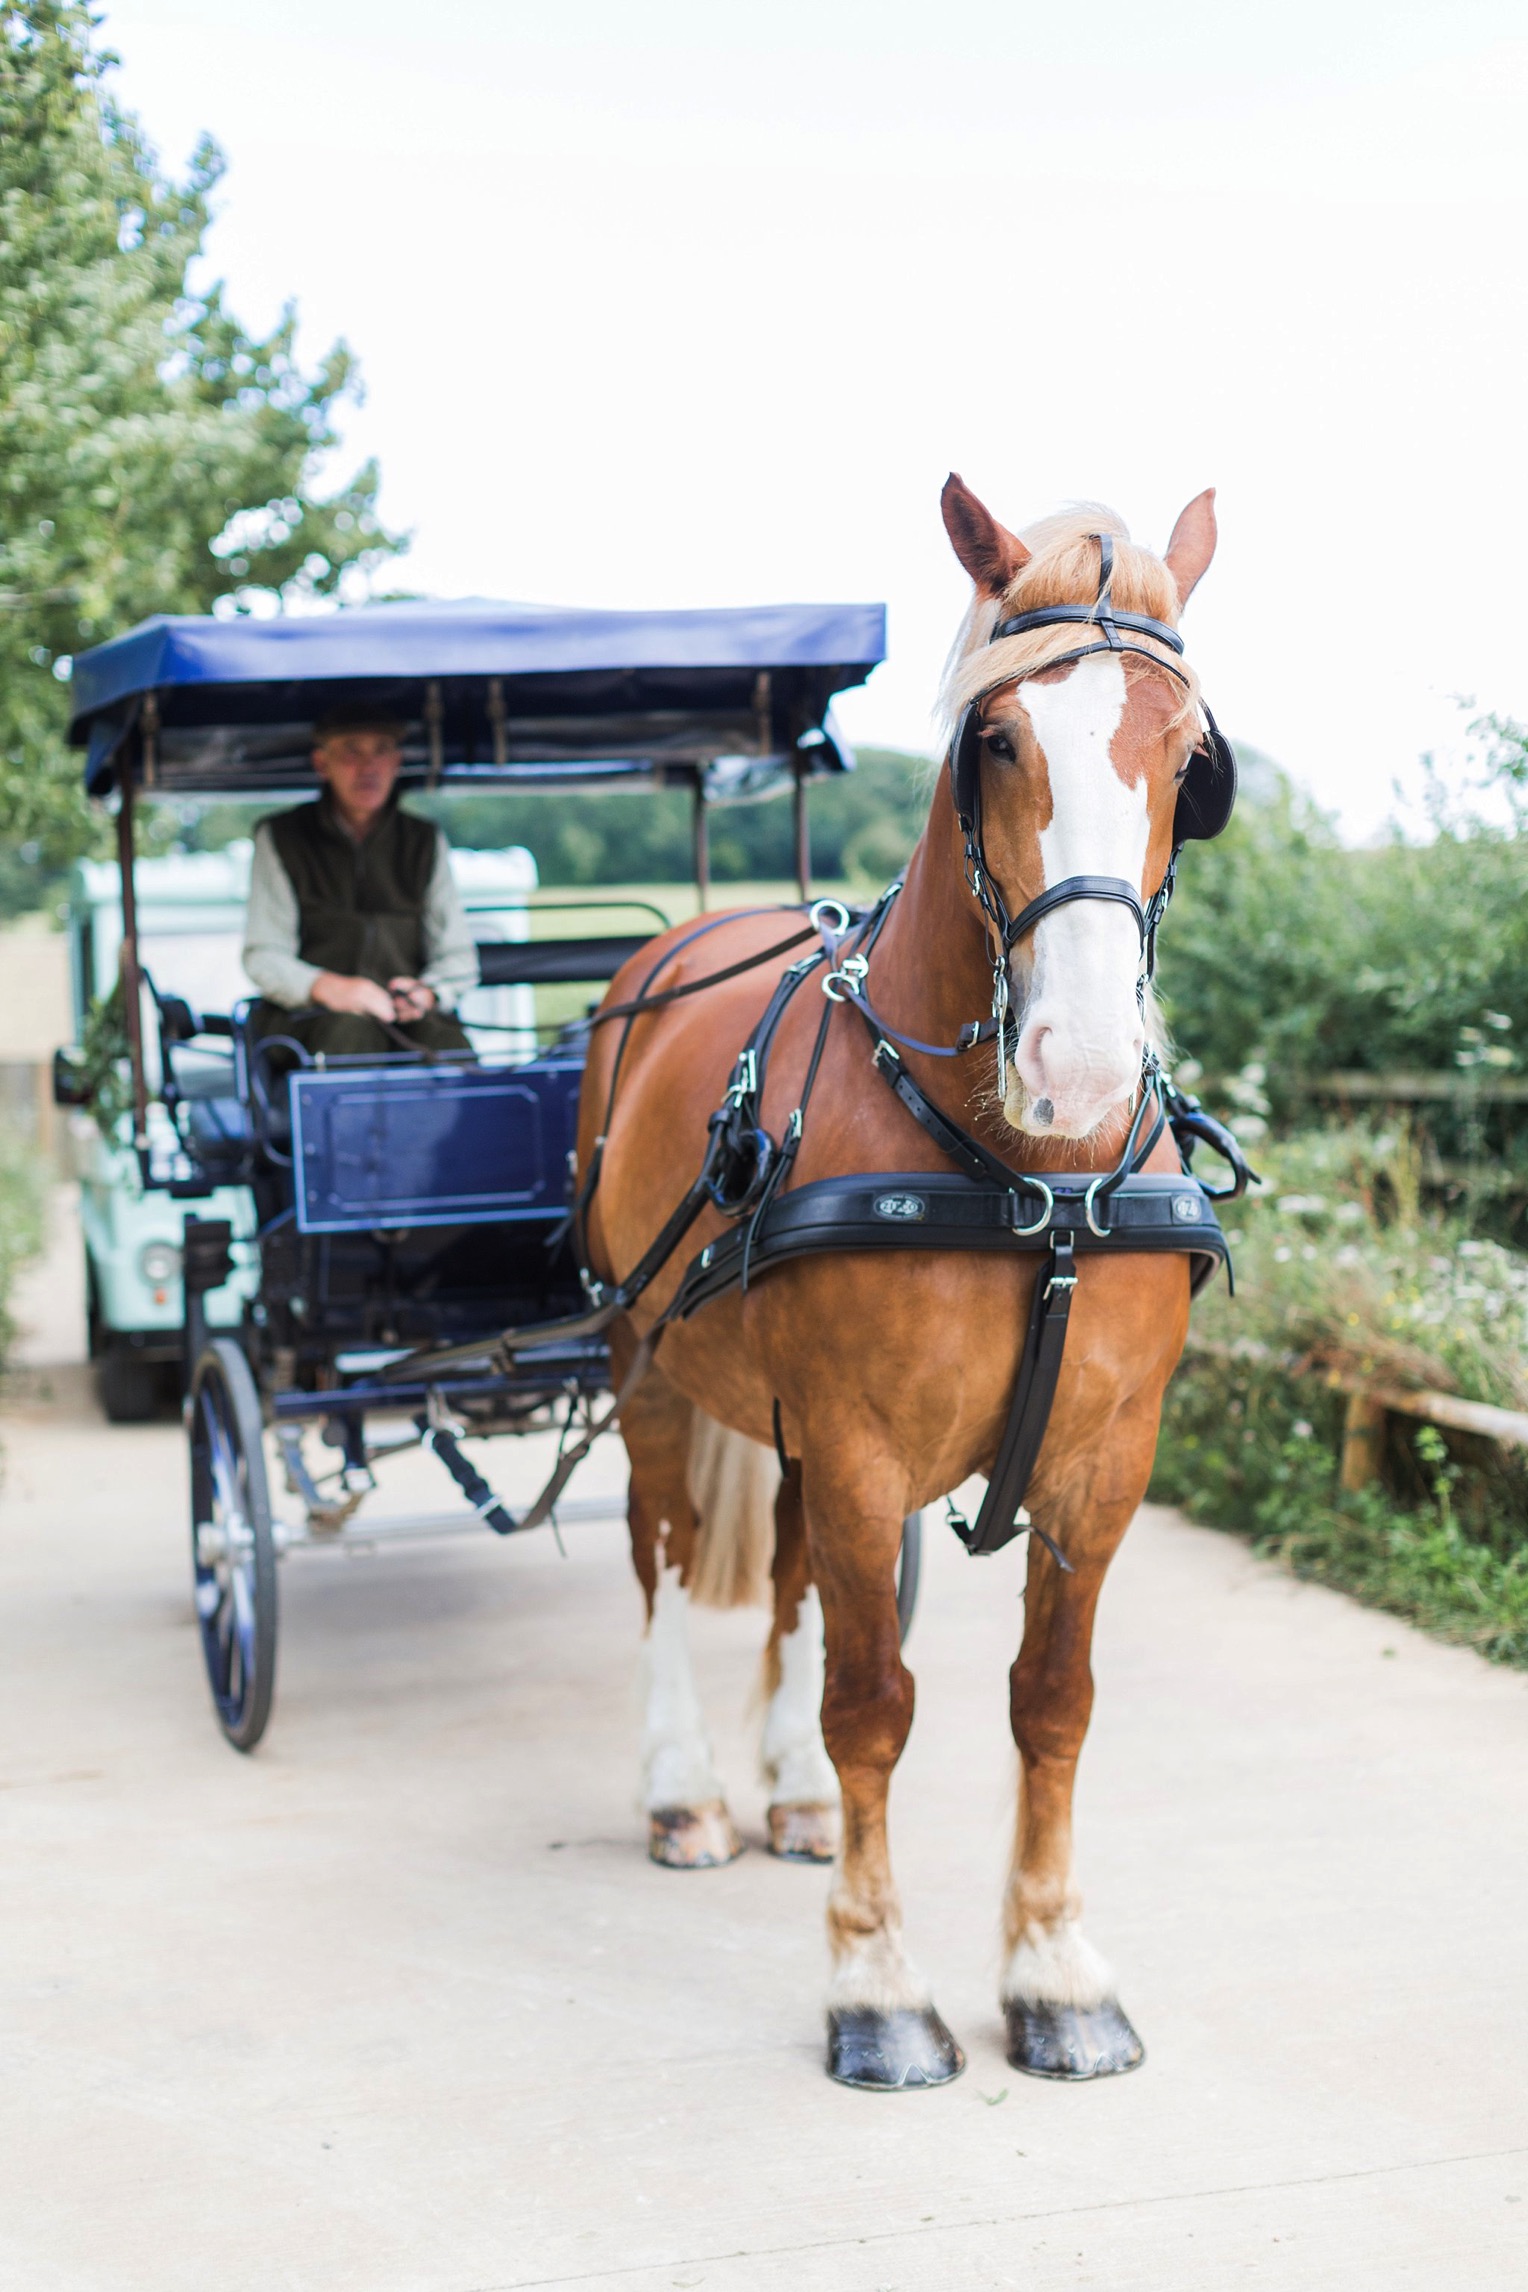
[[803, 838], [701, 835], [131, 975]]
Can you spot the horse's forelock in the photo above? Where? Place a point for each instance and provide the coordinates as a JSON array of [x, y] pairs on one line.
[[1062, 570]]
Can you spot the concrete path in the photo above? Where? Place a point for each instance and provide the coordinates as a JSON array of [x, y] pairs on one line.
[[398, 2004]]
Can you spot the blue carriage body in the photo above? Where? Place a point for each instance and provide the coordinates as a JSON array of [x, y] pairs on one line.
[[388, 1147]]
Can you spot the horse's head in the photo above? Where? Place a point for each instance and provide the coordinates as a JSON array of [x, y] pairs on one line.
[[1077, 766]]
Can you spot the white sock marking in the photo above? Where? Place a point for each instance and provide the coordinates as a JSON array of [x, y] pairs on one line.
[[676, 1753], [1056, 1965], [795, 1759]]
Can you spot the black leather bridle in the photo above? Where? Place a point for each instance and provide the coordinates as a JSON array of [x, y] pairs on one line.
[[1206, 798]]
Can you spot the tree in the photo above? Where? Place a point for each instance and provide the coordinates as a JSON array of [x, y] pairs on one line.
[[154, 457]]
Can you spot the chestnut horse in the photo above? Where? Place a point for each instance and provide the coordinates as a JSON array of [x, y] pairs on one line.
[[885, 1380]]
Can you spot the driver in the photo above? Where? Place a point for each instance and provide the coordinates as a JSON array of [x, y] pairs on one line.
[[354, 924]]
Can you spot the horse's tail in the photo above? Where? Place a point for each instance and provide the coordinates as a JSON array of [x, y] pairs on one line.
[[732, 1483]]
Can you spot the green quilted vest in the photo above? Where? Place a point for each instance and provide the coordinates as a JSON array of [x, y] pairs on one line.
[[360, 906]]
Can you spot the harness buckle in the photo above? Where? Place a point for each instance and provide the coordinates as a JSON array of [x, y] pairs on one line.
[[745, 1080], [1059, 1281]]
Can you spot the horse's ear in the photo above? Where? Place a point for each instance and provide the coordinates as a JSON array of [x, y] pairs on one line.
[[992, 555], [1192, 545]]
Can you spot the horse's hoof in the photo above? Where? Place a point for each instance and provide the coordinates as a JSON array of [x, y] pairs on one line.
[[1047, 2040], [806, 1832], [692, 1838], [890, 2052]]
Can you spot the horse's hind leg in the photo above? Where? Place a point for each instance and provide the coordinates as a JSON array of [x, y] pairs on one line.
[[1064, 2019], [883, 2031], [803, 1789], [689, 1827]]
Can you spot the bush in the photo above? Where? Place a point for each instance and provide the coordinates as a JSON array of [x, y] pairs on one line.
[[23, 1201], [1340, 1265], [1253, 1449], [1285, 946]]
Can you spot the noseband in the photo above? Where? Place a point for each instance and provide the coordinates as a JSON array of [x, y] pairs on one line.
[[1205, 800]]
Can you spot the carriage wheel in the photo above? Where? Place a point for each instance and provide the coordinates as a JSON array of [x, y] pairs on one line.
[[233, 1552], [908, 1567]]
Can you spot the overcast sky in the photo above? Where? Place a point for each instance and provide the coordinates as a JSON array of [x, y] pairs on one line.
[[682, 302]]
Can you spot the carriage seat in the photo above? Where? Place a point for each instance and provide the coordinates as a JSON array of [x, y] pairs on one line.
[[203, 1084]]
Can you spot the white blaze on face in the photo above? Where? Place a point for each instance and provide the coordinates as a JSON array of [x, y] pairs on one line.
[[1081, 1039]]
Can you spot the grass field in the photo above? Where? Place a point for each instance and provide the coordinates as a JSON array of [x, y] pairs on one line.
[[607, 911]]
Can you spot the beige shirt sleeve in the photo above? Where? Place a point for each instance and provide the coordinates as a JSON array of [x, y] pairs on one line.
[[450, 951], [272, 930]]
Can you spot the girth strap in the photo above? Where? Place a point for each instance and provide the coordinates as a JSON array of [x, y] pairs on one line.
[[997, 1521]]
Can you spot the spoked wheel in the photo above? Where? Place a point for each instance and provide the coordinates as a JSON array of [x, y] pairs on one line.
[[233, 1552], [908, 1567]]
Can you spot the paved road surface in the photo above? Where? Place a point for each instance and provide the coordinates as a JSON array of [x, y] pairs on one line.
[[398, 2005]]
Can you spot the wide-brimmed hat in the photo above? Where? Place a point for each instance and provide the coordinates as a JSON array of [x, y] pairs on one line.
[[358, 716]]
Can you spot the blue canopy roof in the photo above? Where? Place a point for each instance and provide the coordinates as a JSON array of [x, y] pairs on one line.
[[492, 692]]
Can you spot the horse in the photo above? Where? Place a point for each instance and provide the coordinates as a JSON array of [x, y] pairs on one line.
[[845, 1391]]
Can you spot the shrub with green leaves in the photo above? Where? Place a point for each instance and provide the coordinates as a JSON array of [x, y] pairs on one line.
[[1341, 1265], [23, 1201]]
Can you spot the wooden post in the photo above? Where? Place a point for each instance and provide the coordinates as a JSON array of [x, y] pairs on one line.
[[131, 975], [497, 721], [1363, 1442], [803, 838], [432, 719], [702, 845]]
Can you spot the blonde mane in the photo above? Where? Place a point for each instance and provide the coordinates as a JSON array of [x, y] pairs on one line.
[[1062, 570]]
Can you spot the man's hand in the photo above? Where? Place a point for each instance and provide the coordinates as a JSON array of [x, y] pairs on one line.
[[362, 998], [411, 999]]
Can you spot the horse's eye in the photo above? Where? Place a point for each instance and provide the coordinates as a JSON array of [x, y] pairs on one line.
[[1000, 746]]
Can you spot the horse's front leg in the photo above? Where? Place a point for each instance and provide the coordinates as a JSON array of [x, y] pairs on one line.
[[1064, 2019], [803, 1789], [883, 2030]]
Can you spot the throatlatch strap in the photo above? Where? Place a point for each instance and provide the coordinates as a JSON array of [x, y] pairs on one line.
[[1034, 1391]]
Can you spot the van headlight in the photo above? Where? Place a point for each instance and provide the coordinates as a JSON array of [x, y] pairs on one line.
[[159, 1263]]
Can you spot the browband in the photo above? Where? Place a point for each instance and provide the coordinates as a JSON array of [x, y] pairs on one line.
[[1102, 615]]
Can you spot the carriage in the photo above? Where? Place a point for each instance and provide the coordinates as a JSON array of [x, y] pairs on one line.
[[405, 1209]]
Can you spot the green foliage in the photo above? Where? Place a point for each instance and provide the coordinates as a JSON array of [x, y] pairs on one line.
[[103, 1063], [1341, 1265], [154, 457], [1284, 946], [23, 1199], [1252, 1449], [864, 826], [1340, 1259]]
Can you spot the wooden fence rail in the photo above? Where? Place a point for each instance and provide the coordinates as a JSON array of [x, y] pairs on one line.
[[1370, 1402], [1481, 1086]]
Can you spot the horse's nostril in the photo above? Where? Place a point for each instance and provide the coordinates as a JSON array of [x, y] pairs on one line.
[[1043, 1111]]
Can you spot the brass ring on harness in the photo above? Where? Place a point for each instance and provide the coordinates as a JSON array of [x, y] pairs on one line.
[[1044, 1219], [814, 915], [849, 978], [1103, 1232]]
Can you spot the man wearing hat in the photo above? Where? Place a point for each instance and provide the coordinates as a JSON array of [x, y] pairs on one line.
[[354, 924]]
